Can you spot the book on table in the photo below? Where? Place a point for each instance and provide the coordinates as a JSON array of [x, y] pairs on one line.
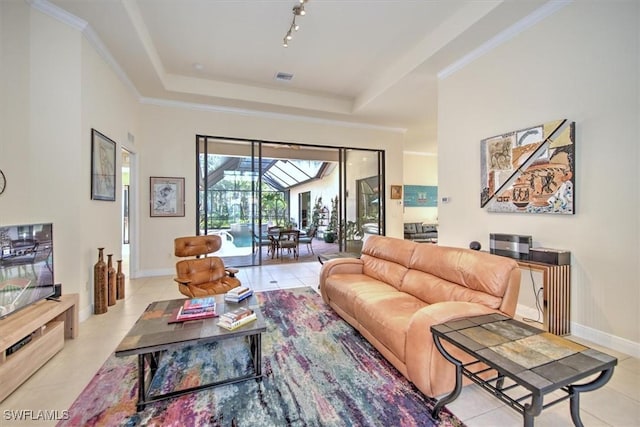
[[236, 318], [194, 309], [238, 294], [195, 305]]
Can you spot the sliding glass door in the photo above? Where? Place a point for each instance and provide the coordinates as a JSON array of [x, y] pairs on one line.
[[246, 188], [229, 196], [362, 192]]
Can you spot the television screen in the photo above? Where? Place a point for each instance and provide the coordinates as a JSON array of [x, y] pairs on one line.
[[26, 265]]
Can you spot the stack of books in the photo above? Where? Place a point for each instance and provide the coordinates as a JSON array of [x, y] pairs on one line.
[[195, 308], [238, 294], [236, 318]]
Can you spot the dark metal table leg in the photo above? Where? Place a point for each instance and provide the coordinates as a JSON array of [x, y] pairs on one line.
[[575, 390], [456, 391], [532, 409], [259, 356], [141, 383]]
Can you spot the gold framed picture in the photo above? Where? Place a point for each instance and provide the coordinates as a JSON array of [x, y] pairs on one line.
[[396, 191]]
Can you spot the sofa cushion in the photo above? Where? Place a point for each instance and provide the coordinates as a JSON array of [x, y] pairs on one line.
[[411, 227], [428, 228], [387, 315], [387, 258], [433, 289], [475, 270], [342, 289]]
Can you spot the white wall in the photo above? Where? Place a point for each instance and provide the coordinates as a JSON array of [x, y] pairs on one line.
[[41, 110], [420, 170], [581, 64], [110, 108], [168, 135], [55, 89]]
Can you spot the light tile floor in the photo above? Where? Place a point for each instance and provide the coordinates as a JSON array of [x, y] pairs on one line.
[[60, 381]]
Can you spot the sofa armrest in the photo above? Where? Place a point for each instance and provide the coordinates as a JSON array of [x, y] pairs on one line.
[[340, 266], [426, 367]]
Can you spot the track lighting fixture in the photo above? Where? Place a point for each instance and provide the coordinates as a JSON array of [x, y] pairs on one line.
[[298, 10]]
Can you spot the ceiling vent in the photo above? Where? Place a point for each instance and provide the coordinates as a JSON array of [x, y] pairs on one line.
[[283, 77]]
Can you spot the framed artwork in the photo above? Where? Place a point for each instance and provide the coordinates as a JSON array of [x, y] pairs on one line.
[[420, 196], [530, 170], [103, 167], [167, 196], [396, 191]]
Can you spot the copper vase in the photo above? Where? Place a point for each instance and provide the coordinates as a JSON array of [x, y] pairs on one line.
[[100, 284], [119, 281], [111, 280]]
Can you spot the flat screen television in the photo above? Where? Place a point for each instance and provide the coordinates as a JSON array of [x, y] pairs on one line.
[[26, 266]]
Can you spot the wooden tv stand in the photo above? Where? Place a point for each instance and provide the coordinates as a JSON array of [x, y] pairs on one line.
[[48, 323]]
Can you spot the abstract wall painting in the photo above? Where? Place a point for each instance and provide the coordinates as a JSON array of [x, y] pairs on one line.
[[530, 170]]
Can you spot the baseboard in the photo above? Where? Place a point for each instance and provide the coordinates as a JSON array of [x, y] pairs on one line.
[[154, 273], [613, 342], [528, 312], [85, 313], [595, 336]]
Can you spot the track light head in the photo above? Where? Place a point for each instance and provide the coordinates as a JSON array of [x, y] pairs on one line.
[[298, 10]]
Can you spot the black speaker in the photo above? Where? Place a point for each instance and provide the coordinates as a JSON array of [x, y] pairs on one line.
[[510, 245], [550, 256], [57, 290]]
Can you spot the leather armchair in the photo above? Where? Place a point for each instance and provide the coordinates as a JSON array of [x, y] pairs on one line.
[[202, 275]]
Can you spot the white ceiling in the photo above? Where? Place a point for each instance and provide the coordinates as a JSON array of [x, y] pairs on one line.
[[372, 62]]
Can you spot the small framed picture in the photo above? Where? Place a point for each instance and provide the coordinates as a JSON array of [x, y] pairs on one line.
[[103, 167], [396, 191], [167, 196]]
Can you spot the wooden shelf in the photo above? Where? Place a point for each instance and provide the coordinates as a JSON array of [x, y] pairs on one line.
[[48, 323], [556, 299]]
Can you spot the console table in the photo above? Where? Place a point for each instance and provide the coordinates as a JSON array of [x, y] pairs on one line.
[[536, 363], [43, 328], [556, 291]]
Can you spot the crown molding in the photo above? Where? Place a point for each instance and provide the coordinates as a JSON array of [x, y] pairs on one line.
[[420, 153], [60, 14], [89, 33], [264, 114], [509, 33]]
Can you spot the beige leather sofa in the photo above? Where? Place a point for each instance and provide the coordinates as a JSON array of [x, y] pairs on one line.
[[399, 288]]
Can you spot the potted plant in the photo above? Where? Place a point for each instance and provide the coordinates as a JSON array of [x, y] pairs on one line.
[[315, 214], [330, 234]]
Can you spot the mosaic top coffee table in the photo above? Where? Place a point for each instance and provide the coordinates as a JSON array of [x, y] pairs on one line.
[[152, 335], [536, 361]]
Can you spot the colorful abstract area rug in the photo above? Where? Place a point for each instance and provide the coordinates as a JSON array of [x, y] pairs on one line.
[[318, 371]]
